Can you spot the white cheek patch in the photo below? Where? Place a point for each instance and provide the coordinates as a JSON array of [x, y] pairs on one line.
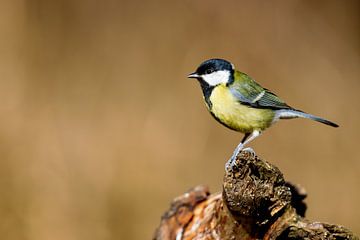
[[216, 78]]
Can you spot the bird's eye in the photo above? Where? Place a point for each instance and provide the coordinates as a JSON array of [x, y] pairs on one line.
[[208, 71]]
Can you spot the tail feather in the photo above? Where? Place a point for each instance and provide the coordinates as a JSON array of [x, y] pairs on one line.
[[288, 114]]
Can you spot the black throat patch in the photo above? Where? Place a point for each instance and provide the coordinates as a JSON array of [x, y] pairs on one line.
[[207, 90]]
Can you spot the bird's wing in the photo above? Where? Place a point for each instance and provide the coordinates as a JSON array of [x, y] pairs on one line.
[[249, 92]]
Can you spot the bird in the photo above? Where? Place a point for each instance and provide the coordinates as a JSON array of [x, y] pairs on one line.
[[238, 102]]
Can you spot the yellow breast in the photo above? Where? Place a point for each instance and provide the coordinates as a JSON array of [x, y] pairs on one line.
[[227, 109]]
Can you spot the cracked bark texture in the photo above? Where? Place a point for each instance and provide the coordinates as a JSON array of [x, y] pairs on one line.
[[256, 203]]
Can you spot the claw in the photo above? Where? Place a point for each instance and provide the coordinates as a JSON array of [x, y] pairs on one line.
[[249, 150], [229, 164]]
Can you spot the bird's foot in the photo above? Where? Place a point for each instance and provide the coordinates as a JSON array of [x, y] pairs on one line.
[[232, 161], [230, 164]]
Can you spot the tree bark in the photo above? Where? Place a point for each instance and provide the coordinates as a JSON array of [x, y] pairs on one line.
[[256, 203]]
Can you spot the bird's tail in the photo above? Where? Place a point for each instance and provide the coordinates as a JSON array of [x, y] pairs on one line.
[[293, 113]]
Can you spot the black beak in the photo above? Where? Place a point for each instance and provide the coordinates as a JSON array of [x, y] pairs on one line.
[[193, 75]]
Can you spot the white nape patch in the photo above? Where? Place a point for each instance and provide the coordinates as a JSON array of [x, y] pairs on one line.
[[216, 78]]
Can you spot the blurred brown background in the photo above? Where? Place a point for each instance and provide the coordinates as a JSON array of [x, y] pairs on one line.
[[100, 128]]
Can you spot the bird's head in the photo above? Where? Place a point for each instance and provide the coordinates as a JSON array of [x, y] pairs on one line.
[[214, 72]]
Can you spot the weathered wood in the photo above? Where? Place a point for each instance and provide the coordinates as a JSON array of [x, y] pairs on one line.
[[256, 203]]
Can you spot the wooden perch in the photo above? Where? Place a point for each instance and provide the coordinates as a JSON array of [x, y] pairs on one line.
[[256, 203]]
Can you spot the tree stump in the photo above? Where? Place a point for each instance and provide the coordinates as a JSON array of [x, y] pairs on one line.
[[256, 203]]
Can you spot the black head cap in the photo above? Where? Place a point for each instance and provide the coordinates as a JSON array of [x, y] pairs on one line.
[[213, 65]]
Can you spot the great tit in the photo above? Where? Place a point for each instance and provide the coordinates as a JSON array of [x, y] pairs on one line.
[[238, 102]]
